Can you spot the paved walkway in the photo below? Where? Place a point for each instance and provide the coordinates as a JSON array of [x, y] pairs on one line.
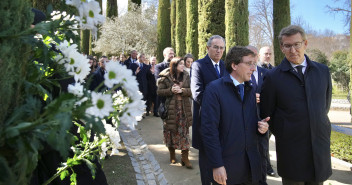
[[150, 157]]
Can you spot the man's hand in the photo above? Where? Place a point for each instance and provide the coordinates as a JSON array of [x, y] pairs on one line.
[[219, 175], [263, 125], [257, 96], [137, 70]]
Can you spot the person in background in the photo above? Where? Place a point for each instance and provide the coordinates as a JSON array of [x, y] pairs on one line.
[[168, 56], [98, 75], [204, 71], [297, 96], [265, 55], [174, 85], [151, 101], [93, 64], [122, 58], [188, 58], [132, 59]]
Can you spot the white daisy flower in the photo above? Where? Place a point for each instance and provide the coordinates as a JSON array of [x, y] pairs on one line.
[[102, 105], [113, 74], [76, 89]]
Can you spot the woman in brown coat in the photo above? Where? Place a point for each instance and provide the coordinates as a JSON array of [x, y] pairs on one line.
[[174, 85]]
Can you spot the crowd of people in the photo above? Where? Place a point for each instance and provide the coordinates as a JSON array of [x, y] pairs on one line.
[[230, 105]]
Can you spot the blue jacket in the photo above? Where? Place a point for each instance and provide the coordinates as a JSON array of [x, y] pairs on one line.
[[229, 131], [202, 73], [298, 110]]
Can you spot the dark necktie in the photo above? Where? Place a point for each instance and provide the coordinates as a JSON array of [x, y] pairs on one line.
[[217, 71], [241, 90], [299, 71], [140, 65]]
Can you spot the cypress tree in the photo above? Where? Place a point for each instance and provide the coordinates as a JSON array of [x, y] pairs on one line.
[[192, 27], [85, 40], [350, 56], [173, 23], [180, 28], [163, 28], [111, 8], [211, 22], [281, 19], [43, 4], [236, 22], [15, 16]]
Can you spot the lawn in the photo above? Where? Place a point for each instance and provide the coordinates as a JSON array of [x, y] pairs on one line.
[[341, 146]]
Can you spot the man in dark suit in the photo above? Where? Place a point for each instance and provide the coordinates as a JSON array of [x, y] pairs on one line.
[[257, 81], [204, 71], [229, 123], [297, 95], [168, 56], [98, 75], [141, 71], [265, 55], [132, 59]]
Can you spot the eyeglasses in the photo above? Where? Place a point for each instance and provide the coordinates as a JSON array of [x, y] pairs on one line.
[[217, 47], [250, 64], [288, 47]]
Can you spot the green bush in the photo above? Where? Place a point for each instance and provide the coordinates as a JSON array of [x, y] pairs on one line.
[[341, 146]]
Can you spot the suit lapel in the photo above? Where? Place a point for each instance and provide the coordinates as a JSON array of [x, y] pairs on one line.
[[211, 67], [222, 68]]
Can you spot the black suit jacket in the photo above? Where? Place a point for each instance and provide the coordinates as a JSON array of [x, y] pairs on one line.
[[202, 73], [142, 76], [97, 79], [298, 110], [128, 63]]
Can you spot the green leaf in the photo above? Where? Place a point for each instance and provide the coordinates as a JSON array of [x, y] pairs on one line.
[[15, 130], [6, 175], [73, 178], [64, 174]]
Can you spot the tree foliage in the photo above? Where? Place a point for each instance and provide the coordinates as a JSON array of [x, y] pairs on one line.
[[261, 23], [339, 68], [281, 19], [192, 27], [163, 28], [180, 28], [134, 30], [211, 22], [318, 56], [236, 22], [85, 41]]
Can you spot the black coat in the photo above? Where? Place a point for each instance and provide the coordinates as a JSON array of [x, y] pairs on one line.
[[142, 78], [298, 110], [202, 73], [128, 63], [97, 79], [160, 67]]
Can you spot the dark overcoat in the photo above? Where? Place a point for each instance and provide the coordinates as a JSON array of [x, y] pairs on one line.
[[298, 110], [160, 67], [202, 73], [229, 129], [142, 76], [165, 83]]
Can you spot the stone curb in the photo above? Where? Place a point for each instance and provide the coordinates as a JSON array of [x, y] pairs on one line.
[[147, 169], [341, 162]]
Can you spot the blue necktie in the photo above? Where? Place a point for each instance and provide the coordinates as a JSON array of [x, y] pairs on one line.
[[241, 90], [140, 65], [254, 82], [217, 71]]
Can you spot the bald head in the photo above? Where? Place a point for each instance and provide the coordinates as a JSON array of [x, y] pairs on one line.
[[265, 54]]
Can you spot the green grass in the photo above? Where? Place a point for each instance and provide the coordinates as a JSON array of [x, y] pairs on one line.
[[341, 146], [338, 93]]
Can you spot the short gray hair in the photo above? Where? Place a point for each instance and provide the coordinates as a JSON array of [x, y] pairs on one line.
[[215, 37], [167, 48], [292, 30]]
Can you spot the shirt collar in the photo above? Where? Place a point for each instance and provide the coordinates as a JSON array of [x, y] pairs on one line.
[[214, 62], [304, 63], [235, 81]]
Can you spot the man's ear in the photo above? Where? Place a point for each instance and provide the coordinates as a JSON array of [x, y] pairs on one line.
[[234, 66]]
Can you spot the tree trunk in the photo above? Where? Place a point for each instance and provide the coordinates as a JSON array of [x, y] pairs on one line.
[[173, 23], [350, 57], [181, 28], [85, 40], [192, 27], [281, 19], [236, 22], [210, 22], [111, 8], [163, 28]]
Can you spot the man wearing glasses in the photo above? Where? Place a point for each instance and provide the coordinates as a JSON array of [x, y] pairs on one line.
[[204, 71], [230, 127], [297, 95]]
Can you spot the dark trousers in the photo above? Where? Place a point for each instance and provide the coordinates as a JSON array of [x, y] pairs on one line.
[[246, 183], [205, 173], [291, 182]]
